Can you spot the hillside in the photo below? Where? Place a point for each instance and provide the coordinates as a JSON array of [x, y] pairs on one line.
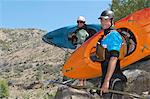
[[26, 61]]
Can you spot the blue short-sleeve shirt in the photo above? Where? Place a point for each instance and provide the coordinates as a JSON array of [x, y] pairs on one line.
[[112, 41]]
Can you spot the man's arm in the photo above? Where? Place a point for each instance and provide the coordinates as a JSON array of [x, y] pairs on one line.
[[111, 67], [110, 71]]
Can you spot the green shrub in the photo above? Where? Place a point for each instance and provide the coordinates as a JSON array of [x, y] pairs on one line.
[[4, 91]]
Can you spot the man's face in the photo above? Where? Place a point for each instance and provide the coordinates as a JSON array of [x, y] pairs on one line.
[[80, 23], [106, 23]]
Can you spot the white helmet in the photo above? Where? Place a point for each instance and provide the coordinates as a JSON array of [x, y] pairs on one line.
[[81, 18]]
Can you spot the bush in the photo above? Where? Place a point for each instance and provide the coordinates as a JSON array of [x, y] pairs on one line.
[[4, 91]]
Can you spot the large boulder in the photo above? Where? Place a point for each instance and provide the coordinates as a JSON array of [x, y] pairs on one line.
[[65, 92]]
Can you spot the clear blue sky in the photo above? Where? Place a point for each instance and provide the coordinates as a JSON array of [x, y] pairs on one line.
[[49, 14]]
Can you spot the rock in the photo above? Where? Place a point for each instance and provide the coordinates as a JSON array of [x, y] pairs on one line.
[[138, 81], [147, 97], [65, 92]]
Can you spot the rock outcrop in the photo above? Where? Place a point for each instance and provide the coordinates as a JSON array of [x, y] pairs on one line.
[[65, 92]]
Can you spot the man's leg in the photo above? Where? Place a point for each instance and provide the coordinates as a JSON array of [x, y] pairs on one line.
[[115, 84], [118, 85]]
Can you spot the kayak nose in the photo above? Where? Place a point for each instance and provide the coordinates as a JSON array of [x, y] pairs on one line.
[[47, 39]]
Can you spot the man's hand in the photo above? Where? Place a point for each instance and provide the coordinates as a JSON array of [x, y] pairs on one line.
[[104, 87], [74, 39]]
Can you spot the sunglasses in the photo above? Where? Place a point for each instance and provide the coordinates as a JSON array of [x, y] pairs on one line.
[[103, 18], [80, 22]]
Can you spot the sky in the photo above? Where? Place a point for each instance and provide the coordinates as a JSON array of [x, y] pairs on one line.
[[49, 14]]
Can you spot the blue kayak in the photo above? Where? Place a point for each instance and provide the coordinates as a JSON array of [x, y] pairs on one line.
[[59, 37]]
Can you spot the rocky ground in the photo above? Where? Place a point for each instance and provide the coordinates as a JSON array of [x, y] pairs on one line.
[[26, 62]]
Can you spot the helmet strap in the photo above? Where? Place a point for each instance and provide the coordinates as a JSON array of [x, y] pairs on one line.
[[112, 22]]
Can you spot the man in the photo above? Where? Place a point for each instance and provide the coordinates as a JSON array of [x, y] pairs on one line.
[[82, 33], [80, 36], [112, 76]]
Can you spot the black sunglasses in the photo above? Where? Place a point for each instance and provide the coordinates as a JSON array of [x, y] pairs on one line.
[[104, 19], [80, 22]]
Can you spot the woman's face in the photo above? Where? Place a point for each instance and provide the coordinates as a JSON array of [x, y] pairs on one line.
[[106, 23]]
